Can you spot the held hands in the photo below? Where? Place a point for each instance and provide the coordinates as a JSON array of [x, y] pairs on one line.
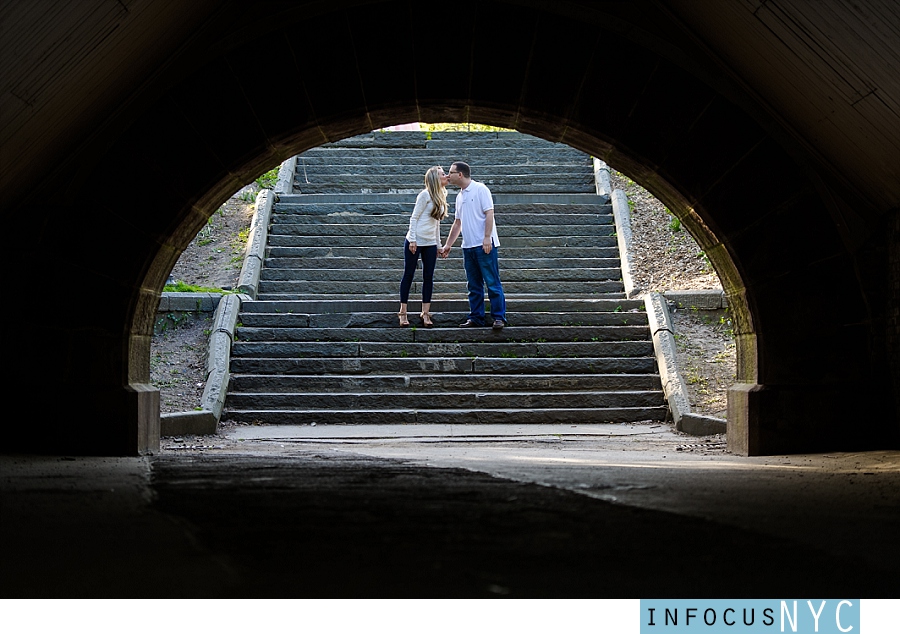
[[444, 251]]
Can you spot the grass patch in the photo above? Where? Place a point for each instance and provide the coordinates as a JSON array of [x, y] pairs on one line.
[[268, 180], [182, 287]]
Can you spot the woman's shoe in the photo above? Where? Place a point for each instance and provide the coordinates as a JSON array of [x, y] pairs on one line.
[[403, 319], [426, 320]]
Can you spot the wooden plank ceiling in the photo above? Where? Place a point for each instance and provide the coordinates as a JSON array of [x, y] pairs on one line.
[[830, 70]]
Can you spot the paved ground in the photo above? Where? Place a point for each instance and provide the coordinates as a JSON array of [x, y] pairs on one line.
[[433, 511]]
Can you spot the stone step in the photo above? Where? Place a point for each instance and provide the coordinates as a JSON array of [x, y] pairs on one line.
[[450, 144], [414, 172], [442, 365], [409, 198], [450, 400], [521, 141], [445, 320], [410, 138], [324, 261], [449, 417], [364, 226], [450, 147], [423, 158], [392, 349], [518, 224], [548, 253], [408, 176], [442, 285], [376, 287], [436, 297], [394, 241], [444, 156], [413, 187], [422, 138], [511, 334], [448, 274], [418, 383], [389, 175], [540, 305], [322, 343], [284, 210]]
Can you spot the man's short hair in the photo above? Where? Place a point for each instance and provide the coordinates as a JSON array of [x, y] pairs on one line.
[[462, 168]]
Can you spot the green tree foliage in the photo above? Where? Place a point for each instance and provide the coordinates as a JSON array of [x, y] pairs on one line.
[[461, 127]]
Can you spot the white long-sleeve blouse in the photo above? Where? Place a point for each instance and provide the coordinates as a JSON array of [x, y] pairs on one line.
[[423, 229]]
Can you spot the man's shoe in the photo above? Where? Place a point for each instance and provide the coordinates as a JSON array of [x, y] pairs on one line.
[[498, 324], [469, 324]]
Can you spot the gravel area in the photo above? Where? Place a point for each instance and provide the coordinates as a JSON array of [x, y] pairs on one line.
[[666, 257], [705, 354]]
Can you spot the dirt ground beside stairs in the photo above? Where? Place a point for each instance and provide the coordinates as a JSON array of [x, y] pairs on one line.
[[180, 345]]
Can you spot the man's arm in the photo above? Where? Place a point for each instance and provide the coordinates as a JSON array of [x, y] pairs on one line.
[[487, 244], [451, 237]]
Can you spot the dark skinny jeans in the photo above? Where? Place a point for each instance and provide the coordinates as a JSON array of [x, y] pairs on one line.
[[410, 260]]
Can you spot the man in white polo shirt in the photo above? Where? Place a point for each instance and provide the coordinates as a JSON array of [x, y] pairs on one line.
[[475, 218]]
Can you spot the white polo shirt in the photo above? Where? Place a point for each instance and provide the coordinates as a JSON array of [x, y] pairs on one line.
[[471, 205]]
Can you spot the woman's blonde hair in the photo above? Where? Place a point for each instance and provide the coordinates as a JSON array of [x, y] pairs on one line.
[[437, 191]]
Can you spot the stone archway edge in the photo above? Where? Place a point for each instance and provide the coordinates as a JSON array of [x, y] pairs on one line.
[[660, 320], [205, 420]]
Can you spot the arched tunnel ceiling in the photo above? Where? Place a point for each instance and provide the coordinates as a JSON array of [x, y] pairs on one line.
[[830, 70], [829, 74]]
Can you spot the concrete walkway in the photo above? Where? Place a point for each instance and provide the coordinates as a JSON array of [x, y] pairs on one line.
[[433, 511], [830, 499]]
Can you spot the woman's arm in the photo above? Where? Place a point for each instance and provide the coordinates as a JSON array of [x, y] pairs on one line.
[[421, 202]]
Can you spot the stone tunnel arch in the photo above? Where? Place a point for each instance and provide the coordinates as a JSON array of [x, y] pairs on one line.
[[691, 137]]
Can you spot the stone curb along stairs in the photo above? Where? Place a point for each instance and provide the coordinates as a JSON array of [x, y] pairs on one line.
[[319, 341]]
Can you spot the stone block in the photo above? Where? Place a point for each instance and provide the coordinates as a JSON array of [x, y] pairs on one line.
[[699, 299], [143, 409], [285, 183], [255, 252], [199, 423], [698, 425], [664, 347], [189, 302], [622, 217], [601, 178]]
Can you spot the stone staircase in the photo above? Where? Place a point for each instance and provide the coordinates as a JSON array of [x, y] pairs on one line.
[[321, 342]]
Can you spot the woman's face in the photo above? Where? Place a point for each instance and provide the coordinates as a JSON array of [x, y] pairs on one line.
[[444, 178]]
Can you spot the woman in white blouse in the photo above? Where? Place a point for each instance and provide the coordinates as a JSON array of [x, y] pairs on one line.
[[424, 238]]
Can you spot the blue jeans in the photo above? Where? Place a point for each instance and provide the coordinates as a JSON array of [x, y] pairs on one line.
[[410, 260], [482, 270]]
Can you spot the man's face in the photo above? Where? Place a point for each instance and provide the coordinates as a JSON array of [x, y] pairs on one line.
[[454, 177]]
